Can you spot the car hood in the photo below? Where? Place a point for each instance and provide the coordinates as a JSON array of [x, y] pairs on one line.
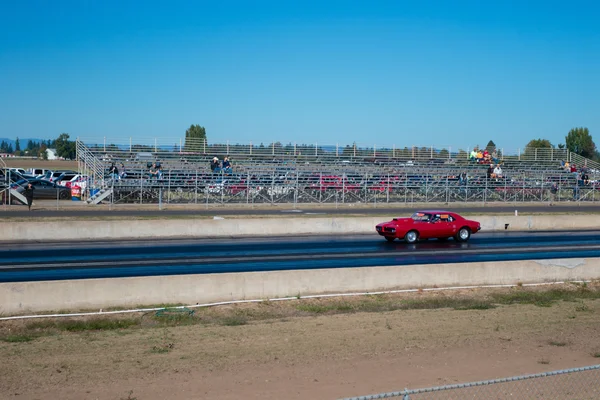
[[398, 221]]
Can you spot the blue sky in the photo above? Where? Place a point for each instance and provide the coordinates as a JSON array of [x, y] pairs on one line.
[[443, 73]]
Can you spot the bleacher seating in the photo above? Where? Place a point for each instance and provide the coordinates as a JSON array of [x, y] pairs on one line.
[[355, 175]]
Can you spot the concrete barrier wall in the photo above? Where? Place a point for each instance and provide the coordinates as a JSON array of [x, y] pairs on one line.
[[74, 230], [19, 298]]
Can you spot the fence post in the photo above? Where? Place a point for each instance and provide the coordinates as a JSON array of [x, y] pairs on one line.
[[169, 188], [141, 185]]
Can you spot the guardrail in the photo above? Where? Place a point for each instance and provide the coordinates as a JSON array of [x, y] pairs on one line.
[[573, 383]]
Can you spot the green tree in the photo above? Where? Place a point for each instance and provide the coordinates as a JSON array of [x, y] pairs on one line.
[[65, 148], [17, 145], [43, 153], [540, 144], [538, 149], [195, 138], [491, 146], [579, 141]]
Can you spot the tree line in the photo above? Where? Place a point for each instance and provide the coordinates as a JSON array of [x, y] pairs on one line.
[[578, 140], [64, 147]]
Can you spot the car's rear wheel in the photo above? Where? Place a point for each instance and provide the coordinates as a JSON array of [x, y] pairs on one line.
[[63, 195], [411, 236], [390, 238], [463, 234]]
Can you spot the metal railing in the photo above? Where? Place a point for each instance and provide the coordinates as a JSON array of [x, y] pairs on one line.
[[575, 383], [191, 147], [292, 186], [91, 166], [4, 183], [187, 178]]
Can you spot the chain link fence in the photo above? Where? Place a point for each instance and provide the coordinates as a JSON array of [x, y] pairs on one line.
[[573, 384]]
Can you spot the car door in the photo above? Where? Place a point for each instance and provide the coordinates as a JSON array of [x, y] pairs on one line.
[[44, 190], [445, 226]]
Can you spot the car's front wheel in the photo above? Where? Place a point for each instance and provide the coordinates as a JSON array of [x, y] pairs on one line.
[[463, 234], [411, 236]]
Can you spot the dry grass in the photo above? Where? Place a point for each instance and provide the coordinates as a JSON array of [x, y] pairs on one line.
[[278, 349], [236, 315]]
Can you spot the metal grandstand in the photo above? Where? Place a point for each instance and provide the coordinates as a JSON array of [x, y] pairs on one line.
[[293, 173]]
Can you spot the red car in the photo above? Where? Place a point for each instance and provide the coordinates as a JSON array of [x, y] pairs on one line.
[[429, 224]]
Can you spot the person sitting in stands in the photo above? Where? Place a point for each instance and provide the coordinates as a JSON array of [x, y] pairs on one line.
[[473, 155], [227, 166], [486, 156], [585, 178], [490, 171], [498, 171], [479, 156], [154, 172], [495, 156], [123, 172], [215, 166]]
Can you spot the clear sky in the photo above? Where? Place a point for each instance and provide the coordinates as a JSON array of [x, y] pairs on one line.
[[446, 73]]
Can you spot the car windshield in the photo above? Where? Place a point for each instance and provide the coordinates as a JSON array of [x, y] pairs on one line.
[[419, 216]]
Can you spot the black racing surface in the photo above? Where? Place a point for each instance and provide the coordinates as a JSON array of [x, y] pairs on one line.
[[342, 209], [102, 259]]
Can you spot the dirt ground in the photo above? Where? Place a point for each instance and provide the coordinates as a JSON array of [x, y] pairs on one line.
[[303, 356], [48, 164]]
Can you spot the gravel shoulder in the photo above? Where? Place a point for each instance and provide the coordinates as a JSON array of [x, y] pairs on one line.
[[321, 349]]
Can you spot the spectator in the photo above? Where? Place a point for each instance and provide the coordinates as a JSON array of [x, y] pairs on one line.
[[215, 166], [227, 166], [498, 171], [585, 178], [473, 155], [490, 172], [553, 192], [113, 172], [495, 156], [154, 172], [28, 193], [123, 173]]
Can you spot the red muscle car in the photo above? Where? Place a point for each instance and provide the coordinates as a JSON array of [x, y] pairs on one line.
[[429, 224]]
